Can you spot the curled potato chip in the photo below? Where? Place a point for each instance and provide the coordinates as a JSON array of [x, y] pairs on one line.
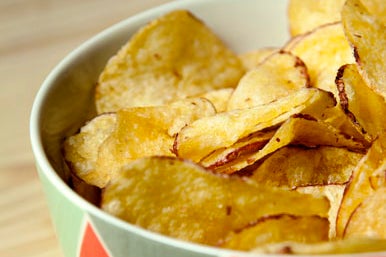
[[277, 76], [298, 130], [81, 149], [252, 59], [323, 50], [172, 57], [249, 144], [167, 195], [206, 135], [367, 35], [306, 15], [361, 103], [147, 131], [279, 228], [294, 167], [369, 218], [359, 186]]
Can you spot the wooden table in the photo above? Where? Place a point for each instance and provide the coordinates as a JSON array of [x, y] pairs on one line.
[[34, 36]]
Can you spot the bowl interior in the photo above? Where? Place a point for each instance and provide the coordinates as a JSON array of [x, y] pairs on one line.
[[65, 100]]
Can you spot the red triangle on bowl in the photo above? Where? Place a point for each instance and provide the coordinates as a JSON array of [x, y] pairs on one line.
[[92, 245]]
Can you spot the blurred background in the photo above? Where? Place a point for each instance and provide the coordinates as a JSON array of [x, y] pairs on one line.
[[34, 36]]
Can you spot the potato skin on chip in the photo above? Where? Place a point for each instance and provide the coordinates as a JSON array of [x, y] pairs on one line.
[[252, 59], [172, 57], [279, 228], [81, 149], [360, 102], [323, 50], [367, 35], [167, 195], [297, 130], [277, 76]]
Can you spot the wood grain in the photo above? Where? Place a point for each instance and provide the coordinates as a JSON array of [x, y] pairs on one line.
[[34, 36]]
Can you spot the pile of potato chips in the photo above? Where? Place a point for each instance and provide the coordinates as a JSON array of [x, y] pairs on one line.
[[279, 150]]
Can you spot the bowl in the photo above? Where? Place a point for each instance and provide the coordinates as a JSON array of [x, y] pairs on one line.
[[65, 101]]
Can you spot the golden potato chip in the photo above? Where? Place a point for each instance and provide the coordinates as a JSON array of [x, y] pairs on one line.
[[367, 35], [219, 98], [323, 50], [172, 57], [252, 59], [306, 15], [377, 8], [147, 131], [359, 186], [358, 100], [347, 246], [298, 130], [279, 228], [208, 134], [181, 199], [369, 219], [334, 194], [81, 149], [341, 120], [378, 178], [294, 167], [249, 144], [279, 75]]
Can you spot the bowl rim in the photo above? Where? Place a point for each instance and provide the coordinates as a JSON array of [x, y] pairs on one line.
[[46, 168]]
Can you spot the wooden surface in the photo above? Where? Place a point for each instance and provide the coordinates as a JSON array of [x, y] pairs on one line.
[[34, 36]]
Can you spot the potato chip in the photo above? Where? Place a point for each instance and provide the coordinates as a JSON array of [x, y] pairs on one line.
[[323, 50], [369, 219], [359, 186], [147, 131], [360, 102], [377, 8], [252, 59], [367, 35], [341, 120], [172, 57], [298, 130], [181, 199], [206, 135], [347, 246], [279, 228], [81, 149], [294, 167], [279, 75], [334, 194], [378, 178], [306, 15], [219, 98], [249, 144]]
